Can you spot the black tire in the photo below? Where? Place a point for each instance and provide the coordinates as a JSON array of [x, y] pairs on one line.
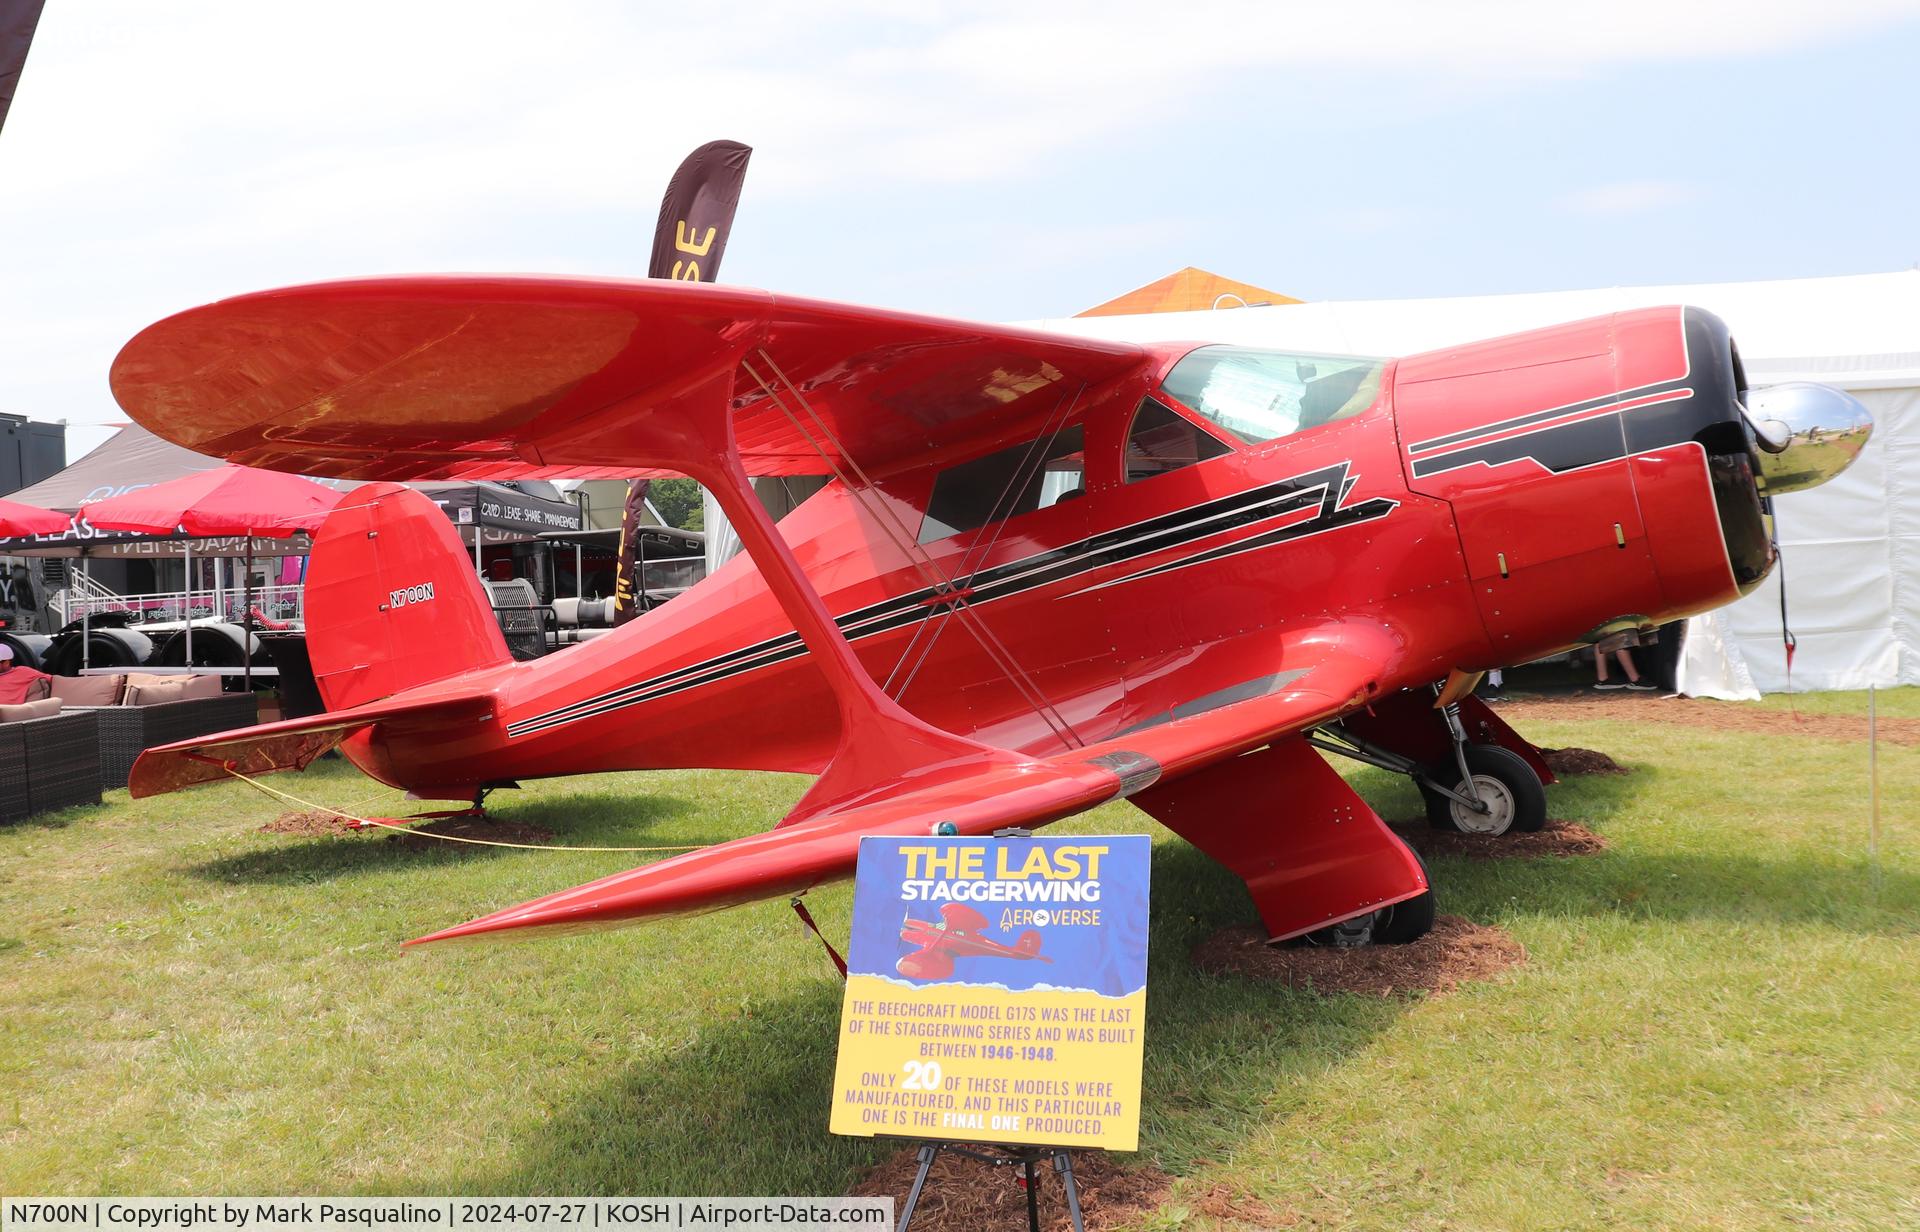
[[216, 645], [1346, 935], [116, 648], [1523, 805], [29, 649], [1408, 921]]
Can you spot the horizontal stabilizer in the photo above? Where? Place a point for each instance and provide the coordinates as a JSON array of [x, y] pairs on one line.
[[292, 744]]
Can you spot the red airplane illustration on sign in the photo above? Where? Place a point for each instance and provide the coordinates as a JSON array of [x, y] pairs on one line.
[[1050, 572], [957, 935]]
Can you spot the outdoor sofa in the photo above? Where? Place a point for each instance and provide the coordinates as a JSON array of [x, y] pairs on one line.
[[138, 711], [49, 758]]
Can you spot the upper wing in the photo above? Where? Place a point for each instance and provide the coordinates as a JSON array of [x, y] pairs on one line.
[[491, 377], [1340, 663]]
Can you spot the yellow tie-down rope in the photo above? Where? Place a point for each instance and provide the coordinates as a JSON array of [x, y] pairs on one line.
[[450, 838]]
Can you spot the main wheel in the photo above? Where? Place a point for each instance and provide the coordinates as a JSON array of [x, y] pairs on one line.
[[1513, 793], [1346, 935], [1408, 921]]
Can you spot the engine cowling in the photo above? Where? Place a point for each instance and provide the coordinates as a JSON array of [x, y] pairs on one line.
[[1602, 473]]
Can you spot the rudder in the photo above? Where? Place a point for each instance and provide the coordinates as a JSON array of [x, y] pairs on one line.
[[392, 599]]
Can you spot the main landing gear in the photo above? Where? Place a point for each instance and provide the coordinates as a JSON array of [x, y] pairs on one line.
[[1396, 925], [1510, 795]]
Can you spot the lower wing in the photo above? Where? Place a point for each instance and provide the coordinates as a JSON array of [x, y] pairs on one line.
[[1341, 663]]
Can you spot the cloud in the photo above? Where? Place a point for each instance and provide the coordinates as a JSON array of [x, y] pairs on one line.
[[1629, 197], [159, 155]]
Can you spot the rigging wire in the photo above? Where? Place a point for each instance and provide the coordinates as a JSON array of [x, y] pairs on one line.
[[916, 556], [389, 824], [982, 550]]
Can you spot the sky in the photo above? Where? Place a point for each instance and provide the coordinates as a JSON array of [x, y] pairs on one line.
[[1000, 161]]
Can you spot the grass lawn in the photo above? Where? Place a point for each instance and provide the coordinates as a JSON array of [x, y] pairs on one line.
[[1716, 1028], [1887, 703]]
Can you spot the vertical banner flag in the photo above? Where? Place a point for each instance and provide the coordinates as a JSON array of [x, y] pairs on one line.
[[695, 217], [996, 991], [18, 19], [697, 213], [630, 574]]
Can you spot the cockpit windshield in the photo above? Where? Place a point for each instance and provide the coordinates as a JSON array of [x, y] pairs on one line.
[[1261, 395]]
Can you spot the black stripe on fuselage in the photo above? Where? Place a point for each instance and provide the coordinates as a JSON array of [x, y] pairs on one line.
[[1224, 513], [1557, 412], [1324, 489], [1557, 449]]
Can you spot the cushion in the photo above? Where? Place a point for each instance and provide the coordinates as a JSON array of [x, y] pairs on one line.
[[89, 690], [201, 686], [134, 678], [13, 714], [45, 707], [155, 694], [40, 690]]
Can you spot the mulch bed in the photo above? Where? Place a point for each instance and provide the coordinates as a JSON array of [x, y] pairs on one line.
[[309, 822], [1455, 951], [1718, 716], [1556, 838], [1221, 1203], [965, 1195], [1568, 761], [318, 822], [488, 829]]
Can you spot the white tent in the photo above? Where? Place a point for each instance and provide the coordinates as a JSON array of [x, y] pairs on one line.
[[1851, 549]]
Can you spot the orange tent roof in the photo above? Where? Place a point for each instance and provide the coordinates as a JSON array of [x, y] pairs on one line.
[[1187, 290]]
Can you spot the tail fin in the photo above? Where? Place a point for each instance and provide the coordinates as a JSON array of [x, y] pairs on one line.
[[1029, 943], [392, 599]]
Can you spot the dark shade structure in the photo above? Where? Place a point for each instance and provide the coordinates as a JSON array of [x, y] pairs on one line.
[[18, 20]]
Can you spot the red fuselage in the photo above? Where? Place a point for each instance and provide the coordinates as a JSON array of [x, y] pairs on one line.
[[1489, 505]]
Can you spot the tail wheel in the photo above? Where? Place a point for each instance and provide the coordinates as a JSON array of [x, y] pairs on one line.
[[1408, 921], [1504, 782]]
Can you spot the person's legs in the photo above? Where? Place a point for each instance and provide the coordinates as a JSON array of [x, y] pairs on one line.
[[1633, 675]]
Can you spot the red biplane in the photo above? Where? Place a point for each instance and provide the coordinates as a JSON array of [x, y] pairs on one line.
[[957, 935], [1050, 571]]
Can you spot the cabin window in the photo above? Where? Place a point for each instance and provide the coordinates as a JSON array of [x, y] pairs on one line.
[[1016, 480], [1264, 395], [1162, 440]]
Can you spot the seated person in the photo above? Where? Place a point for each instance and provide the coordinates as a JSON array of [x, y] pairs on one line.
[[20, 684]]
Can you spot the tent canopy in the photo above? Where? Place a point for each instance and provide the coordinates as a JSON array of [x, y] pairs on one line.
[[134, 458], [1850, 549], [1187, 290]]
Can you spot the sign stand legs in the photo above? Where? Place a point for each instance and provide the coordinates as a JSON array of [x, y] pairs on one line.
[[1025, 1157]]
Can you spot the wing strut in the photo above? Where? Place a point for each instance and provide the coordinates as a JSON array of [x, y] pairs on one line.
[[880, 744], [929, 569]]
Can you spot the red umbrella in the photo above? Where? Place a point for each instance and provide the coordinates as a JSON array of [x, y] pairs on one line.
[[227, 500], [17, 519]]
